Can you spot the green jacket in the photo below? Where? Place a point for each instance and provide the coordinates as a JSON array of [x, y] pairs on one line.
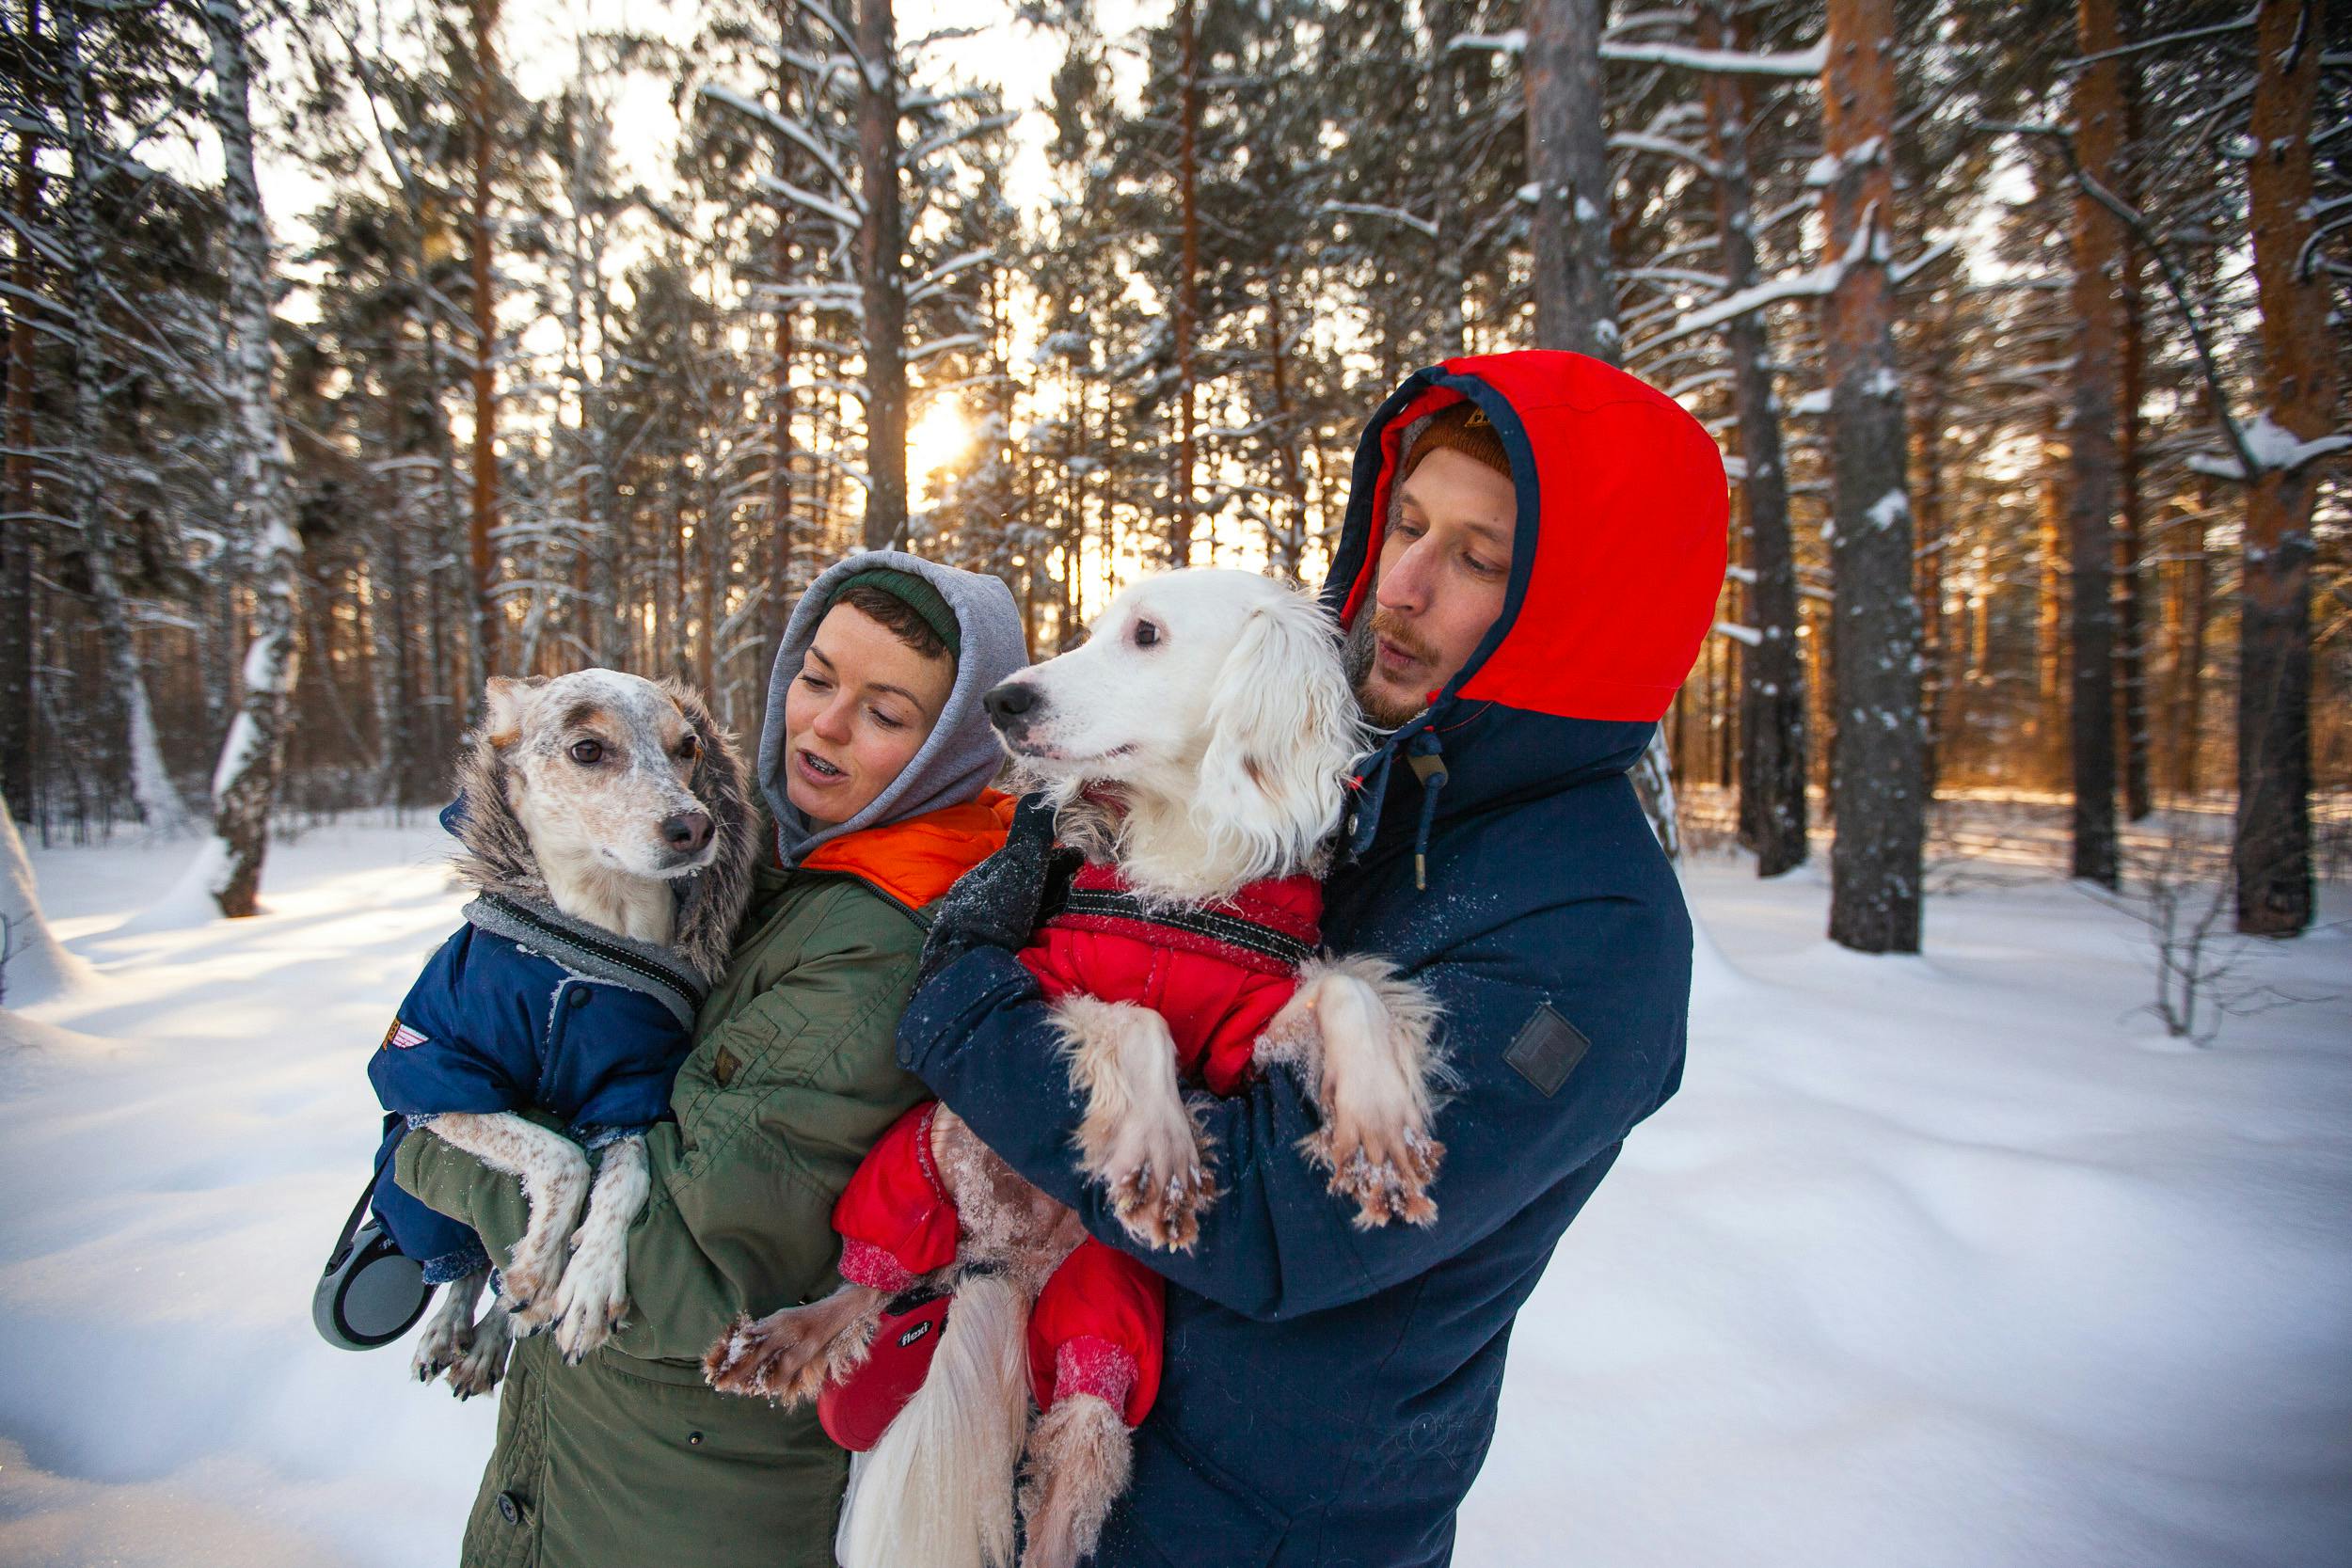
[[628, 1459]]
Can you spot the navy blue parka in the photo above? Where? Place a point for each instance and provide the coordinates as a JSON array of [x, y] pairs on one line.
[[1330, 1393]]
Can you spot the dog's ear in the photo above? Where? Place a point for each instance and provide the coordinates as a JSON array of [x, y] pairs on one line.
[[717, 779], [1282, 729], [504, 699]]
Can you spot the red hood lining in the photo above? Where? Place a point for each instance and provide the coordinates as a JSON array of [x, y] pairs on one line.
[[1445, 389]]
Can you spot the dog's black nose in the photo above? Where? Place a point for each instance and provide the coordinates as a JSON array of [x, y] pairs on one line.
[[688, 832], [1013, 699]]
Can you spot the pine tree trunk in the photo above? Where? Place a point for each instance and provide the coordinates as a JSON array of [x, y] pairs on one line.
[[780, 497], [1445, 128], [2049, 714], [2188, 659], [2131, 636], [152, 788], [1773, 734], [2092, 489], [2273, 849], [1567, 158], [394, 683], [1933, 541], [244, 784], [483, 520], [1187, 287], [1877, 767], [1290, 547], [1567, 155], [18, 532], [883, 276]]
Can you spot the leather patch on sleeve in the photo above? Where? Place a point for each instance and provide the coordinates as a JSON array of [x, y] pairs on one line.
[[1547, 1051]]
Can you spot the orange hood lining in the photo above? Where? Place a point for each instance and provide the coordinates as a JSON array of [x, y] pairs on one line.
[[916, 861]]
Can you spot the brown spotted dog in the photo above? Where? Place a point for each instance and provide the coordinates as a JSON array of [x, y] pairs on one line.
[[607, 834]]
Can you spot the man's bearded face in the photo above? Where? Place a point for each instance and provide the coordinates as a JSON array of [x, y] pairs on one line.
[[1445, 563]]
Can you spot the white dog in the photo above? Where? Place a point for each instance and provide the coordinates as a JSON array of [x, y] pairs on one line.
[[1195, 747], [605, 832], [1199, 741]]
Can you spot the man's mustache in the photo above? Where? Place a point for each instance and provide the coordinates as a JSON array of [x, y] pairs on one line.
[[1388, 625]]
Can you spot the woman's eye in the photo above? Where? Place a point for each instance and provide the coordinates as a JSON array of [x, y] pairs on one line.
[[1481, 567], [588, 753], [886, 721], [814, 682], [1146, 634]]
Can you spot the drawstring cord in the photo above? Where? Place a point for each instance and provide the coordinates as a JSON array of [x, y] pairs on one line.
[[1426, 757]]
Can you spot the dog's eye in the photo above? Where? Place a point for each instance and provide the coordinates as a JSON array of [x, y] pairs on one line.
[[689, 749], [1146, 634], [588, 753]]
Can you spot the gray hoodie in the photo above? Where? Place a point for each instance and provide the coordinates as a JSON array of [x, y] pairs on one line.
[[960, 754]]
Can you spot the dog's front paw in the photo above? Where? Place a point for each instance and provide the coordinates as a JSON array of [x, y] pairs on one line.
[[1387, 1171], [591, 1301], [1159, 1184], [439, 1347], [528, 1286], [787, 1356], [484, 1362]]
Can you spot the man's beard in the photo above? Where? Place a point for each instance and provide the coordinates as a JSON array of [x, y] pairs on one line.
[[1359, 649]]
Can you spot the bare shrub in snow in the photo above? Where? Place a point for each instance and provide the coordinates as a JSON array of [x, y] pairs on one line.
[[2179, 885]]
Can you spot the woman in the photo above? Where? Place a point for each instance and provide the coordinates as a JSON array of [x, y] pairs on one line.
[[874, 758]]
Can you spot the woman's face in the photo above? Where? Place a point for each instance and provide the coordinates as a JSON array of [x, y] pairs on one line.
[[861, 707]]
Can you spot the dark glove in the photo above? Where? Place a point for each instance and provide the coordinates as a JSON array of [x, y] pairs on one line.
[[999, 902]]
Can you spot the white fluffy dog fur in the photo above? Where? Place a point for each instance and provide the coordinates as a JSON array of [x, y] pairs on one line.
[[1200, 739]]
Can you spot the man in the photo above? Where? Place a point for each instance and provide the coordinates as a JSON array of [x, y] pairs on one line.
[[1530, 561]]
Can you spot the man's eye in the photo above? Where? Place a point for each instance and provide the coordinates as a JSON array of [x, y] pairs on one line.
[[588, 753], [1146, 634]]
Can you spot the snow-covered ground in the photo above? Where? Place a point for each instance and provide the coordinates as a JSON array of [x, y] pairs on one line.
[[1940, 1260]]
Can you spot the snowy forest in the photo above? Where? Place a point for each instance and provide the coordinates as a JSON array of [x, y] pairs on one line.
[[361, 349]]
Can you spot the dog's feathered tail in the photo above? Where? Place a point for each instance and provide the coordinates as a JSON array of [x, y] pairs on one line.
[[938, 1489]]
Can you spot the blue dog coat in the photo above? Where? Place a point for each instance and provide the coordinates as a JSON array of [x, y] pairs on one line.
[[524, 1008]]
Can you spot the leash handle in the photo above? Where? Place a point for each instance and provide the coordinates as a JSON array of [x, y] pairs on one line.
[[360, 1210]]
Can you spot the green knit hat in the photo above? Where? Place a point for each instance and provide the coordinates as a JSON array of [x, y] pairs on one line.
[[912, 591]]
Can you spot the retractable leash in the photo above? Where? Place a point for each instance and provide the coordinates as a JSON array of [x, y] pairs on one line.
[[369, 1294]]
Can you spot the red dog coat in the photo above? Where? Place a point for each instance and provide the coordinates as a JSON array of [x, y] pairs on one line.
[[1217, 976]]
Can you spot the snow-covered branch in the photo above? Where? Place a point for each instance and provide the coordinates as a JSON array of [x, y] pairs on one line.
[[936, 280], [2274, 449], [1395, 214], [1642, 141], [1794, 64], [1512, 42], [933, 146], [792, 131], [940, 345], [810, 199]]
